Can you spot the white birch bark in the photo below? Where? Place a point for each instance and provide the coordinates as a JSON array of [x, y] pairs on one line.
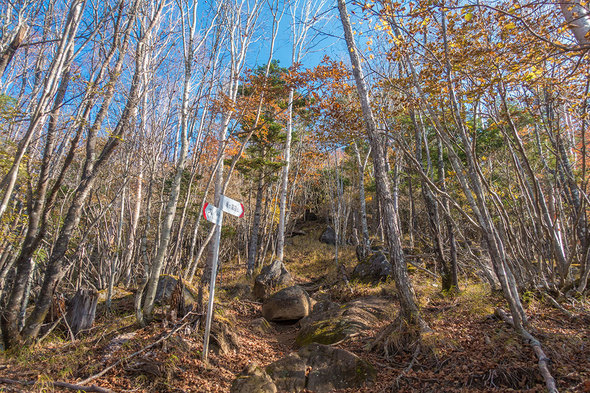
[[577, 17], [50, 85], [189, 20], [305, 15], [408, 307]]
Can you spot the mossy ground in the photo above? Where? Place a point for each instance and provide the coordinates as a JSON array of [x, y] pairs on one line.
[[323, 332]]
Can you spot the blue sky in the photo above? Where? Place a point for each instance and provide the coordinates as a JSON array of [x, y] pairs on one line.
[[327, 41]]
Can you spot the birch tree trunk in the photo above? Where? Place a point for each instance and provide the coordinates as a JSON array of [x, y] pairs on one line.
[[366, 243], [57, 263], [50, 86], [577, 17], [146, 314], [304, 17], [408, 308]]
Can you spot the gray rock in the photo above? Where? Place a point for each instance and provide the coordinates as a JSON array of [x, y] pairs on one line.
[[261, 325], [271, 276], [330, 322], [328, 236], [321, 369], [289, 304], [253, 379], [374, 269], [335, 368], [288, 373], [224, 340]]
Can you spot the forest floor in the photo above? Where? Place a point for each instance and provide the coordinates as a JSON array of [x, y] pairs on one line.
[[471, 350]]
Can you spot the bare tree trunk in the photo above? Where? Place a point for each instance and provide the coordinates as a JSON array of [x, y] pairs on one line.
[[408, 307], [52, 78], [366, 243], [285, 180], [431, 204], [304, 17], [454, 279], [170, 213], [17, 41], [253, 246], [578, 18], [57, 263], [131, 242], [36, 228]]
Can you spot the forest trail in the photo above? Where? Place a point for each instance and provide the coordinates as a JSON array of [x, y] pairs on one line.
[[469, 349], [447, 141]]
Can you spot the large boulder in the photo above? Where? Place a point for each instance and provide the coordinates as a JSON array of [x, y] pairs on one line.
[[253, 379], [289, 304], [374, 269], [271, 276], [316, 368], [288, 373], [328, 236], [320, 368], [330, 322]]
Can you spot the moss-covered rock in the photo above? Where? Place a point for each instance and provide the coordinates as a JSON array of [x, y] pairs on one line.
[[330, 323], [288, 373], [327, 332], [166, 285], [320, 368], [117, 293], [374, 269], [253, 379], [335, 368]]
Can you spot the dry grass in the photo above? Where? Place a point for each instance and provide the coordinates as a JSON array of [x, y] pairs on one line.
[[468, 350]]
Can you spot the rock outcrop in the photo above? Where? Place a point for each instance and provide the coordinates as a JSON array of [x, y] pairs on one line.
[[271, 277], [330, 322], [328, 236], [253, 379], [289, 304], [166, 286], [317, 368], [373, 269]]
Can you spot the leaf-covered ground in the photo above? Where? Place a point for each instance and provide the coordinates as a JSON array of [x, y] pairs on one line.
[[468, 350]]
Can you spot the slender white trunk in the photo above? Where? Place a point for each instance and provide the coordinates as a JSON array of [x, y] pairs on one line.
[[51, 83], [408, 307], [363, 203], [577, 18], [285, 180], [134, 221], [170, 213]]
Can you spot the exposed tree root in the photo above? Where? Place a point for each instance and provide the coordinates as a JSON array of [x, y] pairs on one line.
[[79, 388], [395, 385], [543, 360], [398, 337]]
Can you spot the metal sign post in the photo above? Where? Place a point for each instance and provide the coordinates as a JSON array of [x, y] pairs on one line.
[[215, 215]]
